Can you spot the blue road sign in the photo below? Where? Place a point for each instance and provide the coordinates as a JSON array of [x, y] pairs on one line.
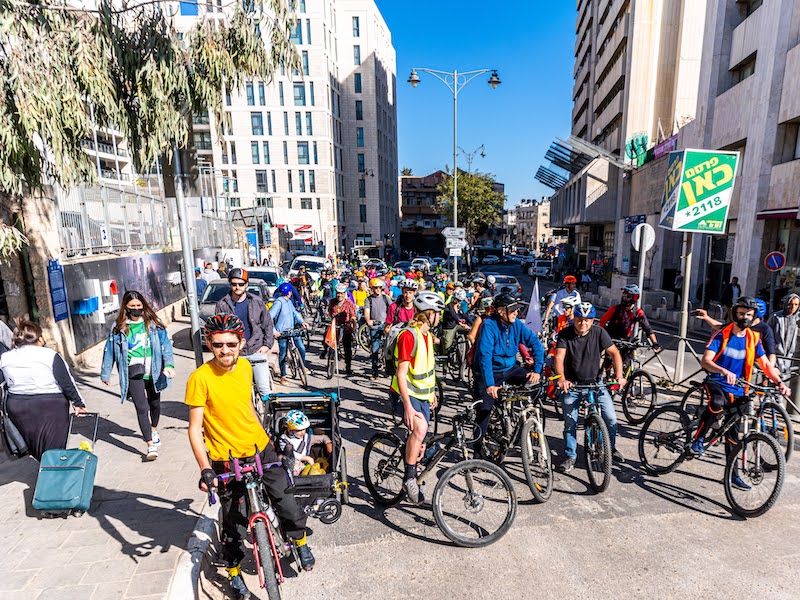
[[775, 261]]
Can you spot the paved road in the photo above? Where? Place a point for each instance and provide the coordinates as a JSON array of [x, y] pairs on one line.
[[666, 537]]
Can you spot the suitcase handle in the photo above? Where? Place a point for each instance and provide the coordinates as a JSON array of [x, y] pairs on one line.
[[83, 415]]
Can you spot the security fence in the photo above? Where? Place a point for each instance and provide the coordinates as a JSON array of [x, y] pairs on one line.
[[104, 219]]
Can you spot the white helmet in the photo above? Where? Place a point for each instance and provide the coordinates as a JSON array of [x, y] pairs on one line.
[[341, 288], [571, 300], [408, 284], [428, 301], [460, 294], [491, 279]]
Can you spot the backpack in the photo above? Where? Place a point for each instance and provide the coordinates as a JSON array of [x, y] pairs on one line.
[[395, 330], [385, 300]]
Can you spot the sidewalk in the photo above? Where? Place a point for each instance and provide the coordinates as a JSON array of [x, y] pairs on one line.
[[142, 513]]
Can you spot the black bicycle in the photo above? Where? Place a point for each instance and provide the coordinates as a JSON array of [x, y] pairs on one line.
[[294, 363], [596, 439], [640, 395], [474, 502]]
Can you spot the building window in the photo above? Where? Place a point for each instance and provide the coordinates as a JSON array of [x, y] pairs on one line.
[[264, 202], [261, 182], [289, 179], [235, 202], [297, 32], [269, 123], [299, 94], [301, 180], [308, 31], [362, 213], [235, 180], [201, 118], [359, 110], [302, 153], [254, 152], [360, 137], [305, 203], [262, 98], [289, 203], [362, 188], [265, 148], [286, 123], [305, 62], [201, 140], [311, 92], [280, 92], [361, 165], [257, 123], [357, 83], [744, 70], [233, 154], [224, 156], [285, 153], [309, 125], [356, 55], [251, 97], [356, 27], [274, 183], [316, 161], [748, 7], [298, 123], [312, 182], [227, 97]]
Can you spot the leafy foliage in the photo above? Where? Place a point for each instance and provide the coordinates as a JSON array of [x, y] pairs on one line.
[[479, 204], [60, 70], [11, 240]]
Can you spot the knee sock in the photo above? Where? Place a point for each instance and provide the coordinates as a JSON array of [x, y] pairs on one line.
[[411, 472]]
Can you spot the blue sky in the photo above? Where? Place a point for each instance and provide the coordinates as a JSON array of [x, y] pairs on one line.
[[531, 46]]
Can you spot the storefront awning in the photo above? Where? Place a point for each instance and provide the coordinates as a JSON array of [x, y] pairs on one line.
[[777, 213]]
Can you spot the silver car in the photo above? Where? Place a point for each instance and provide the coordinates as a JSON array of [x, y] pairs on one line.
[[217, 289]]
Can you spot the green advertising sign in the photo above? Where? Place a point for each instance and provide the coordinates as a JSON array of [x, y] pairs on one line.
[[698, 190]]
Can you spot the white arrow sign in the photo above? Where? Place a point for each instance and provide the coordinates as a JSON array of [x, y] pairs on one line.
[[455, 243], [454, 232]]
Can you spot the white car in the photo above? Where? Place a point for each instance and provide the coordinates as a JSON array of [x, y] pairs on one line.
[[490, 259], [270, 275], [421, 264], [543, 269], [313, 264]]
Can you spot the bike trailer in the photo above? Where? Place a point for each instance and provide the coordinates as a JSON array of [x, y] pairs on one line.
[[66, 479]]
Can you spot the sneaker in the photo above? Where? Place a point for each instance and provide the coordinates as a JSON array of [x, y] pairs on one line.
[[567, 465], [616, 456], [373, 377], [306, 558], [282, 381], [152, 452], [156, 438], [698, 448], [238, 587], [306, 370], [739, 484], [413, 491]]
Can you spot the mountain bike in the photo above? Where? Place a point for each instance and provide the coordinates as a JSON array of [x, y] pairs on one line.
[[294, 363], [665, 442], [269, 543], [518, 418], [474, 502], [639, 396], [596, 439]]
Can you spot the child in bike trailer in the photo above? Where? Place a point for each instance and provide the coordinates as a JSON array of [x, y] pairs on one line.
[[305, 448], [223, 423], [730, 355]]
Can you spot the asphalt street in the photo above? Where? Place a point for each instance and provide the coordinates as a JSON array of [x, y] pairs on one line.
[[668, 536]]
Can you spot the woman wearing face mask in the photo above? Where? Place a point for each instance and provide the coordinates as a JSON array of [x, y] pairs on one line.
[[141, 348]]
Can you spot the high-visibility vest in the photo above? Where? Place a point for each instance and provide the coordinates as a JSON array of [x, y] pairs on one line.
[[421, 378], [751, 342]]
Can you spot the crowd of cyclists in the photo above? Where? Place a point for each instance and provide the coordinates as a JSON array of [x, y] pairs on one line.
[[405, 319]]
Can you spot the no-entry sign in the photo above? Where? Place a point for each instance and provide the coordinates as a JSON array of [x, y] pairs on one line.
[[775, 261]]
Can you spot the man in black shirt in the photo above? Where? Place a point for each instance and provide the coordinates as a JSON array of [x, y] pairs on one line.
[[577, 361]]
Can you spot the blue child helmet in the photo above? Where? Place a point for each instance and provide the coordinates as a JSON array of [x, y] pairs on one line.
[[285, 288]]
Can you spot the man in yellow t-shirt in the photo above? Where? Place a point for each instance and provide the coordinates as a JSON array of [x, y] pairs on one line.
[[223, 423]]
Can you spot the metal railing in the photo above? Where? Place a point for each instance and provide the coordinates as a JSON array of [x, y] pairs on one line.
[[102, 219]]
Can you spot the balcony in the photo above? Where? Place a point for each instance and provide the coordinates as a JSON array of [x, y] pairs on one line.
[[581, 101], [581, 123], [790, 95], [579, 59], [583, 37], [783, 185], [103, 148], [611, 18], [614, 74], [747, 36], [614, 108], [607, 49], [733, 108]]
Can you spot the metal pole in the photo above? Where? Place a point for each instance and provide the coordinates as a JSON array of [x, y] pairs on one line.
[[455, 164], [772, 291], [687, 284], [188, 259], [642, 258]]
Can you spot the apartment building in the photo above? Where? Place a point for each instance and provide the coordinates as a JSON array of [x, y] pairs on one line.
[[422, 222], [310, 158]]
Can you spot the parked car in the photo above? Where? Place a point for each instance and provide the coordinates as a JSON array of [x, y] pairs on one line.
[[218, 288], [269, 275], [543, 268], [506, 283], [375, 263], [491, 259], [421, 263], [313, 265], [405, 265]]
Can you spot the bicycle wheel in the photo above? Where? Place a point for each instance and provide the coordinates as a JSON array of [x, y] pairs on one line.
[[301, 371], [536, 460], [292, 360], [759, 462], [306, 335], [663, 440], [384, 467], [454, 362], [265, 561], [258, 404], [639, 397], [345, 494], [474, 503], [694, 402], [597, 452], [774, 421], [365, 337]]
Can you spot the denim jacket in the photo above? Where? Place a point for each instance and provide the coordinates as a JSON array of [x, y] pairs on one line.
[[116, 351]]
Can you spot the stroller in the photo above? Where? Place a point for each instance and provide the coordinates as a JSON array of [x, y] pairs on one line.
[[321, 496]]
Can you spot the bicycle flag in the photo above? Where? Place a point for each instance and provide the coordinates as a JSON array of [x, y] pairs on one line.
[[330, 335], [533, 320]]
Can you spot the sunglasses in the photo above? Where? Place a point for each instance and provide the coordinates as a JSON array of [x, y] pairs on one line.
[[238, 284], [218, 345]]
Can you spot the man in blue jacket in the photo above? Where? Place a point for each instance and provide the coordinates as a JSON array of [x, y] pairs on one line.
[[286, 317], [495, 359]]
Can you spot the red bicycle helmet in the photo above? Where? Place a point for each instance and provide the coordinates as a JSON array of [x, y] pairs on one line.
[[223, 324]]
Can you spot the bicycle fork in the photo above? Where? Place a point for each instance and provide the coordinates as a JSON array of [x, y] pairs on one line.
[[262, 561]]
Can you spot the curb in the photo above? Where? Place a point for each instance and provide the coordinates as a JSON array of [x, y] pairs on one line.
[[186, 577]]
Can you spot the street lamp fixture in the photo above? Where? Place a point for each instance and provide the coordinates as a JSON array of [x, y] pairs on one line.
[[454, 82]]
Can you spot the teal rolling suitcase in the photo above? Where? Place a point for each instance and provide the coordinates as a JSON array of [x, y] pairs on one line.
[[66, 479]]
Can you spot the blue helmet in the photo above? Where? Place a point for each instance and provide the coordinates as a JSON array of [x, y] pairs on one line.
[[284, 289], [296, 419], [585, 310], [761, 311]]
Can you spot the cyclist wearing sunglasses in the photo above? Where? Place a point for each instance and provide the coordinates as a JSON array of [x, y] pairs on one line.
[[223, 423], [258, 326]]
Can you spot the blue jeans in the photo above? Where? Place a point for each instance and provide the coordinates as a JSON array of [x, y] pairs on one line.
[[376, 337], [570, 402], [283, 346], [261, 373]]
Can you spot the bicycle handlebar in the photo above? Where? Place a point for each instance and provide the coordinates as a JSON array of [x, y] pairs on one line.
[[294, 332], [628, 344]]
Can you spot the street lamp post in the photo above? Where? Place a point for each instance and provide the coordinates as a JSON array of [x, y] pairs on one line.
[[454, 81]]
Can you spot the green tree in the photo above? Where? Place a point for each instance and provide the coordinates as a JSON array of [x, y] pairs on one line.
[[479, 204], [63, 68], [406, 172]]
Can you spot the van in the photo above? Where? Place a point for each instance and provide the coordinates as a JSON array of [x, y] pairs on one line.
[[313, 264], [543, 269]]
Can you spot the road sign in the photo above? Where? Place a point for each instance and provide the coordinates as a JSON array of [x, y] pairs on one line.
[[454, 252], [455, 232], [775, 261], [632, 222], [643, 232], [698, 190], [451, 243]]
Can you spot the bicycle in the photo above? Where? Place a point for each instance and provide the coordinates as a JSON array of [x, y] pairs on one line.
[[666, 438], [640, 395], [466, 493], [294, 363], [263, 523], [771, 417], [518, 418], [596, 439]]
